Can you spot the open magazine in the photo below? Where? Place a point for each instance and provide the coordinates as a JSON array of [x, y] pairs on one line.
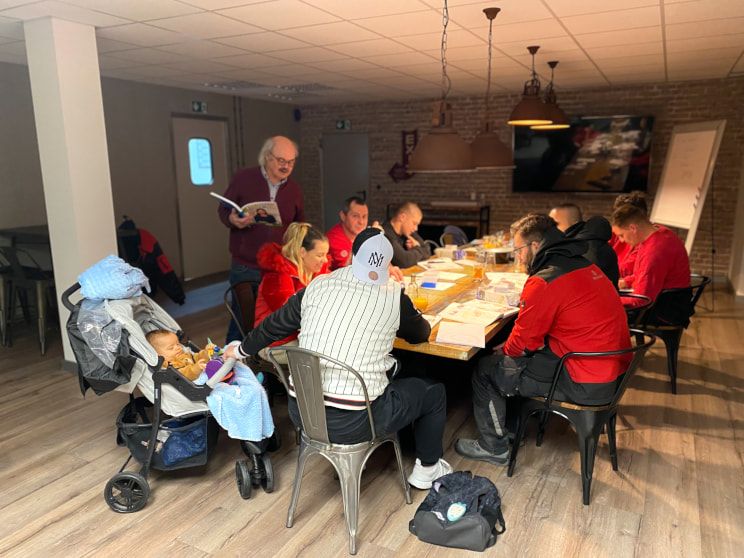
[[265, 212]]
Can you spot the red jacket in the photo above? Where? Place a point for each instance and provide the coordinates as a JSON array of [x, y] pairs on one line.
[[661, 263], [339, 246], [570, 305], [279, 281], [626, 257]]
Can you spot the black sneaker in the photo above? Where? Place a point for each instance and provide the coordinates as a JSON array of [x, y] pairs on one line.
[[472, 450]]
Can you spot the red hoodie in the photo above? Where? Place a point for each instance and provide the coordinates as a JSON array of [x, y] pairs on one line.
[[279, 281]]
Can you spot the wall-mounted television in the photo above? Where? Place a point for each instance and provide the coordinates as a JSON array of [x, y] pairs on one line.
[[596, 154]]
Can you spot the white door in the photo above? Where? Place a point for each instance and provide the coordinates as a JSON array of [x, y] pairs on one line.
[[345, 171], [200, 148]]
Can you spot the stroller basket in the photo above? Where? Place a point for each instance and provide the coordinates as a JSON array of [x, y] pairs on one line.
[[181, 442]]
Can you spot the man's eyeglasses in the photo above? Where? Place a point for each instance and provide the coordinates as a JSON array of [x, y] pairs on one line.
[[282, 161], [518, 249]]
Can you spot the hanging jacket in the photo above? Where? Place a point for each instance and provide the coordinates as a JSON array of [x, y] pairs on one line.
[[149, 257], [596, 232], [279, 281]]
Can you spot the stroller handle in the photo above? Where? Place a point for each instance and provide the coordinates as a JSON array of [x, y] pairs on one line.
[[65, 296], [228, 365]]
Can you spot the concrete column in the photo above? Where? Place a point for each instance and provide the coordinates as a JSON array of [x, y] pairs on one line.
[[68, 110]]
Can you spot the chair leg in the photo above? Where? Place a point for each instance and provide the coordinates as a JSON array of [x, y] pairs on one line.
[[611, 440], [521, 427], [544, 416], [9, 315], [41, 314], [587, 430], [302, 457], [3, 303], [672, 340], [23, 299], [349, 469], [399, 459]]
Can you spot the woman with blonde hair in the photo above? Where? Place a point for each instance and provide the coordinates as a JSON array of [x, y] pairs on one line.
[[289, 268]]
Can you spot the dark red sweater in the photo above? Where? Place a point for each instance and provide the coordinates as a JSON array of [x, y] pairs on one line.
[[661, 263], [249, 185], [570, 304]]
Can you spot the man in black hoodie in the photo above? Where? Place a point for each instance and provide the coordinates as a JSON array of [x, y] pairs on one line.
[[567, 305]]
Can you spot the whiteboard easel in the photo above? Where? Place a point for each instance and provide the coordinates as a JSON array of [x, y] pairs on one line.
[[688, 168]]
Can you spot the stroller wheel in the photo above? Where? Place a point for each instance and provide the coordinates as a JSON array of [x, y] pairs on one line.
[[127, 492], [267, 480], [275, 441], [243, 478]]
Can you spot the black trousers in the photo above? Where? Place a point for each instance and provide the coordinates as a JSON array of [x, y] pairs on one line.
[[404, 401]]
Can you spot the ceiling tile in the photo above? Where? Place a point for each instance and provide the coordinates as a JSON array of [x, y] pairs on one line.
[[370, 48], [219, 4], [551, 44], [645, 70], [704, 28], [146, 56], [152, 71], [529, 33], [263, 42], [399, 59], [110, 63], [289, 69], [370, 73], [701, 10], [345, 65], [563, 8], [108, 45], [251, 60], [202, 49], [307, 54], [141, 34], [614, 38], [471, 16], [714, 56], [475, 52], [609, 64], [400, 25], [356, 10], [704, 43], [456, 38], [641, 49], [11, 29], [14, 48], [293, 14], [137, 10], [332, 33], [205, 25], [704, 72], [201, 66], [245, 74], [739, 67], [64, 11], [612, 21]]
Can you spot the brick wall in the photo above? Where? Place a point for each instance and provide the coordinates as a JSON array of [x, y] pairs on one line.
[[670, 103]]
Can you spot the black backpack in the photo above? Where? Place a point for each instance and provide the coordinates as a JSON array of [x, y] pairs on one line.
[[476, 529]]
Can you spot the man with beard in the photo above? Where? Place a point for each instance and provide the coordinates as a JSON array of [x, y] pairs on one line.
[[567, 304]]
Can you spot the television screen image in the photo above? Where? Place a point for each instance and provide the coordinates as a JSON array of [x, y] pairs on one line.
[[596, 154]]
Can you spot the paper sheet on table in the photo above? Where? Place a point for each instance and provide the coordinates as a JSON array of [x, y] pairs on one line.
[[519, 279], [439, 264], [433, 320], [478, 312], [449, 276], [439, 286], [469, 335], [466, 263]]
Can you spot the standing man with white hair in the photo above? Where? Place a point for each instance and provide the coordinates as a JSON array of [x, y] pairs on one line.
[[269, 181]]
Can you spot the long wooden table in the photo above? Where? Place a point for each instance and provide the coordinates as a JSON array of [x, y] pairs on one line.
[[463, 290]]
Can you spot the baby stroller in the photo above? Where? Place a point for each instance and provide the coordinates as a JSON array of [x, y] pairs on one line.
[[112, 354]]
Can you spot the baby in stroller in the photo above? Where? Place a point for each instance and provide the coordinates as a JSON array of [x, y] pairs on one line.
[[108, 339], [168, 346]]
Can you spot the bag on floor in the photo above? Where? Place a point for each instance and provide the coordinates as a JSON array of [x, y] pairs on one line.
[[460, 511]]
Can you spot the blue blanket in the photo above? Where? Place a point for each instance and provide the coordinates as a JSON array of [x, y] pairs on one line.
[[112, 278], [242, 407]]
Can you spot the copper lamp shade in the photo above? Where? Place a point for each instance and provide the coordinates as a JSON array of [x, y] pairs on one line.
[[489, 152], [442, 149], [530, 111], [555, 113]]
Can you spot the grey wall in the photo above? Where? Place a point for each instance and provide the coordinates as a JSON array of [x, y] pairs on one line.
[[138, 128]]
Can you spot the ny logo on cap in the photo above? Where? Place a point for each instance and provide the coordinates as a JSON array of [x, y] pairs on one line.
[[375, 259]]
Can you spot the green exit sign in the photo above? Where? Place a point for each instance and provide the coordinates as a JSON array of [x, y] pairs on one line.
[[198, 106]]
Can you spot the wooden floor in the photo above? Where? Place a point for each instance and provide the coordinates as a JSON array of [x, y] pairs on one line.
[[679, 490]]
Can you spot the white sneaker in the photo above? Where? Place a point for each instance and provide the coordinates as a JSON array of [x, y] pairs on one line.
[[421, 477]]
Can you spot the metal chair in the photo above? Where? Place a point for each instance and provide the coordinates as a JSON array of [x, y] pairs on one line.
[[588, 420], [636, 313], [453, 235], [18, 281], [671, 333], [347, 459], [241, 305]]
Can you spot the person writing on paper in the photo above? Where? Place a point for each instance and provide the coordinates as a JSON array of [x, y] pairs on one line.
[[363, 339], [270, 181], [661, 263], [289, 268], [567, 304], [408, 246]]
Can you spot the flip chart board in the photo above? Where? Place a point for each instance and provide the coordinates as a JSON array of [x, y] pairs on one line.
[[690, 159]]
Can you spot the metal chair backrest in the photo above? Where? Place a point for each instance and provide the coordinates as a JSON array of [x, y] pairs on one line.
[[19, 273], [307, 379], [643, 342], [453, 235], [240, 296], [698, 284], [671, 297], [637, 313]]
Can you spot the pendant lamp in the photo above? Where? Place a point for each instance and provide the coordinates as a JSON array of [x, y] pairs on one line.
[[556, 114], [442, 149], [489, 152], [531, 110]]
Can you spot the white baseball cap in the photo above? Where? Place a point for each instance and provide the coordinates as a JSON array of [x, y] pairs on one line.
[[372, 253]]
